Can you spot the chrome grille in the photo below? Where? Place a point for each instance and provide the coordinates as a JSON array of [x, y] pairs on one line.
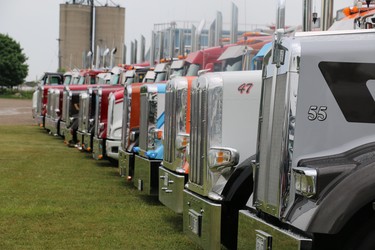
[[83, 101], [49, 103], [272, 142], [73, 101], [39, 101], [91, 109], [65, 107], [198, 135], [170, 124], [56, 103], [144, 119], [97, 104], [126, 120], [111, 110]]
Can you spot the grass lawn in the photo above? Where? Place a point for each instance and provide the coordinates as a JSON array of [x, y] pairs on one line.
[[55, 197]]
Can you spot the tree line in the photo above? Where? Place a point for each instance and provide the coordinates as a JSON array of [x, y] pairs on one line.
[[13, 66]]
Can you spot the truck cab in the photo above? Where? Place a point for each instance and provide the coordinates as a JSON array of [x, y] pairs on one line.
[[99, 135], [175, 166], [174, 169], [131, 120], [53, 109], [239, 57], [130, 130], [115, 111], [39, 100], [355, 17], [70, 105], [222, 139], [149, 153], [317, 122]]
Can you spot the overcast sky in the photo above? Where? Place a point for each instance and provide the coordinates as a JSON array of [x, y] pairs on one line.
[[35, 24]]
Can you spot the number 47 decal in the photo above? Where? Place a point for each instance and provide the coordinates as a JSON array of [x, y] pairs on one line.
[[245, 88], [317, 113]]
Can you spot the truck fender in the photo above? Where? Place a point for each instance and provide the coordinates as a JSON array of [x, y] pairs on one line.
[[239, 186], [236, 193], [344, 201]]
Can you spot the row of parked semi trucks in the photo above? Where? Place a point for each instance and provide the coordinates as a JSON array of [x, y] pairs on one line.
[[273, 157]]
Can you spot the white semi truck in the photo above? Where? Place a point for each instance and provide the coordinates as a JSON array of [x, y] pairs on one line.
[[313, 179], [223, 133]]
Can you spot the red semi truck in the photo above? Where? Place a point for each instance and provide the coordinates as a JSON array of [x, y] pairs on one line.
[[39, 101]]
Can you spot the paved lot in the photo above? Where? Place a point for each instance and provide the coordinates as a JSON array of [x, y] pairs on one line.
[[15, 112]]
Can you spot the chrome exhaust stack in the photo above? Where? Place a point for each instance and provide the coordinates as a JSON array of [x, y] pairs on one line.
[[307, 15], [327, 14], [234, 24]]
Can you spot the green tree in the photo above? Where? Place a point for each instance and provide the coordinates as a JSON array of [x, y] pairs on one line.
[[13, 67]]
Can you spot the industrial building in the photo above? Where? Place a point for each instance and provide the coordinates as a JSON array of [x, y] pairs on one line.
[[88, 35]]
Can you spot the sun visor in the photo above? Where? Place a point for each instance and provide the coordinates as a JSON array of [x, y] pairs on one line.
[[233, 52], [177, 64]]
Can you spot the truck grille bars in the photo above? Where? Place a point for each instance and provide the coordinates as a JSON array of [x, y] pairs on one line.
[[198, 133], [170, 125], [126, 121], [272, 139], [144, 120], [84, 106], [65, 105]]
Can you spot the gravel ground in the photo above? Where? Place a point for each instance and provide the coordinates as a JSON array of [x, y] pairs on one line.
[[15, 112]]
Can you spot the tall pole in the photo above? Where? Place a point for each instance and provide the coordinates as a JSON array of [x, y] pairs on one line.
[[59, 51], [307, 15], [92, 25]]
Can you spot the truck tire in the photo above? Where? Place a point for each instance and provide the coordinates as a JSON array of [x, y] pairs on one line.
[[362, 238]]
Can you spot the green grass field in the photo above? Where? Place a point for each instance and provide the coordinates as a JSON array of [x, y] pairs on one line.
[[16, 94], [55, 197]]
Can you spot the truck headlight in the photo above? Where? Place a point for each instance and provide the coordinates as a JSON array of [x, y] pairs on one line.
[[157, 134], [220, 158], [133, 136], [305, 181]]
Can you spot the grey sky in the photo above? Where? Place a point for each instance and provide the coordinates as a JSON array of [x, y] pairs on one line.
[[35, 24]]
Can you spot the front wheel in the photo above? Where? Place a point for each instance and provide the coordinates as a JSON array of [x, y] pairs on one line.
[[358, 234], [362, 238]]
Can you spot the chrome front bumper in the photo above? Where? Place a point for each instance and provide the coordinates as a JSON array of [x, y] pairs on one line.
[[112, 148], [49, 125], [126, 164], [146, 175], [68, 137], [62, 129], [40, 120], [202, 220], [171, 189], [255, 233], [98, 149]]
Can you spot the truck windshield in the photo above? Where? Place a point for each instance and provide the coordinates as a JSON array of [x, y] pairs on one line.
[[114, 79], [178, 72], [160, 76], [234, 64], [129, 80], [67, 79], [75, 80], [81, 80], [193, 70]]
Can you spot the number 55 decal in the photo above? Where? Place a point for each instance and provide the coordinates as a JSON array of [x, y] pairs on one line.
[[317, 113]]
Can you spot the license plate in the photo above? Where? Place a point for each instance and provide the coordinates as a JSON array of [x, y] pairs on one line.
[[195, 222], [263, 240]]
